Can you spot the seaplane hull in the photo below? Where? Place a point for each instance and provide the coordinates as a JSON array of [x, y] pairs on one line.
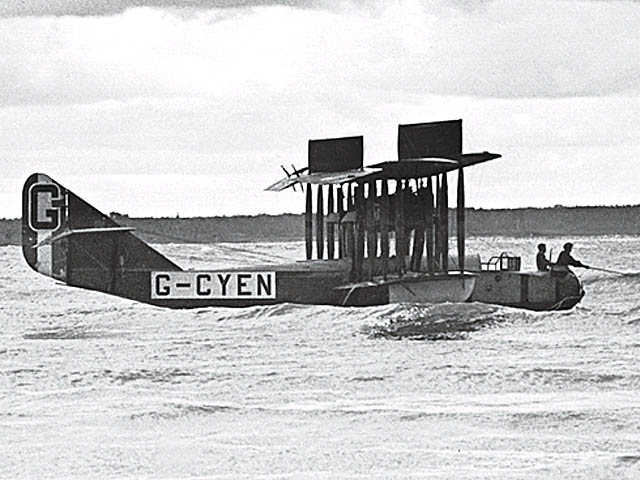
[[529, 290], [450, 288], [299, 283]]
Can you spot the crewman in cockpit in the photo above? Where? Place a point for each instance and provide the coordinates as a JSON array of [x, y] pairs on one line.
[[542, 262], [565, 260]]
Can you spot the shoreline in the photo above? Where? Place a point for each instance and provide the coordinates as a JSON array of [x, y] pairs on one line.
[[521, 222]]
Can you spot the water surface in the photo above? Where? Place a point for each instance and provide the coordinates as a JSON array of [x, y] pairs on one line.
[[96, 386]]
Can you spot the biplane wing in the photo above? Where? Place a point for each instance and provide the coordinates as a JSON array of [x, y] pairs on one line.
[[429, 166], [322, 178], [332, 161]]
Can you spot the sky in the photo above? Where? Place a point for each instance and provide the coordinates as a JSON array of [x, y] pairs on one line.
[[167, 107]]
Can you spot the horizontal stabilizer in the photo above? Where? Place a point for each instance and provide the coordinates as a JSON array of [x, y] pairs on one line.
[[56, 238]]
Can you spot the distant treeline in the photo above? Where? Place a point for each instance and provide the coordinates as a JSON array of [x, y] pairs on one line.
[[557, 221]]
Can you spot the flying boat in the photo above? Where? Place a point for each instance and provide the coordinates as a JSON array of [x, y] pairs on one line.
[[378, 234]]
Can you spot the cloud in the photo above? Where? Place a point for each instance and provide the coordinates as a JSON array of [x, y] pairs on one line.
[[234, 91], [499, 49], [82, 8]]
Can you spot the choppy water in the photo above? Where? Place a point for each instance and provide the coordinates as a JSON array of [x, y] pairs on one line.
[[96, 386]]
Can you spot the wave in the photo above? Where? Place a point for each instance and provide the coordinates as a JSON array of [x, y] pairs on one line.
[[78, 332], [447, 321], [571, 376], [629, 459], [373, 378], [169, 375], [628, 278], [173, 410], [414, 321], [266, 311]]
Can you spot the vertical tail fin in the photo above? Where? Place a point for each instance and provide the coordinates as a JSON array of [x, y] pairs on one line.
[[66, 238]]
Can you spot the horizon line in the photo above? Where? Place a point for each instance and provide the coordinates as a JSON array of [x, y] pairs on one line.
[[115, 215]]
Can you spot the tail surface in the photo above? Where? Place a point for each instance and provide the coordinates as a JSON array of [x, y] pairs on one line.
[[66, 238]]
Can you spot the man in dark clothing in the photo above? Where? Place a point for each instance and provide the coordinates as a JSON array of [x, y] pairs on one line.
[[565, 260], [541, 260]]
